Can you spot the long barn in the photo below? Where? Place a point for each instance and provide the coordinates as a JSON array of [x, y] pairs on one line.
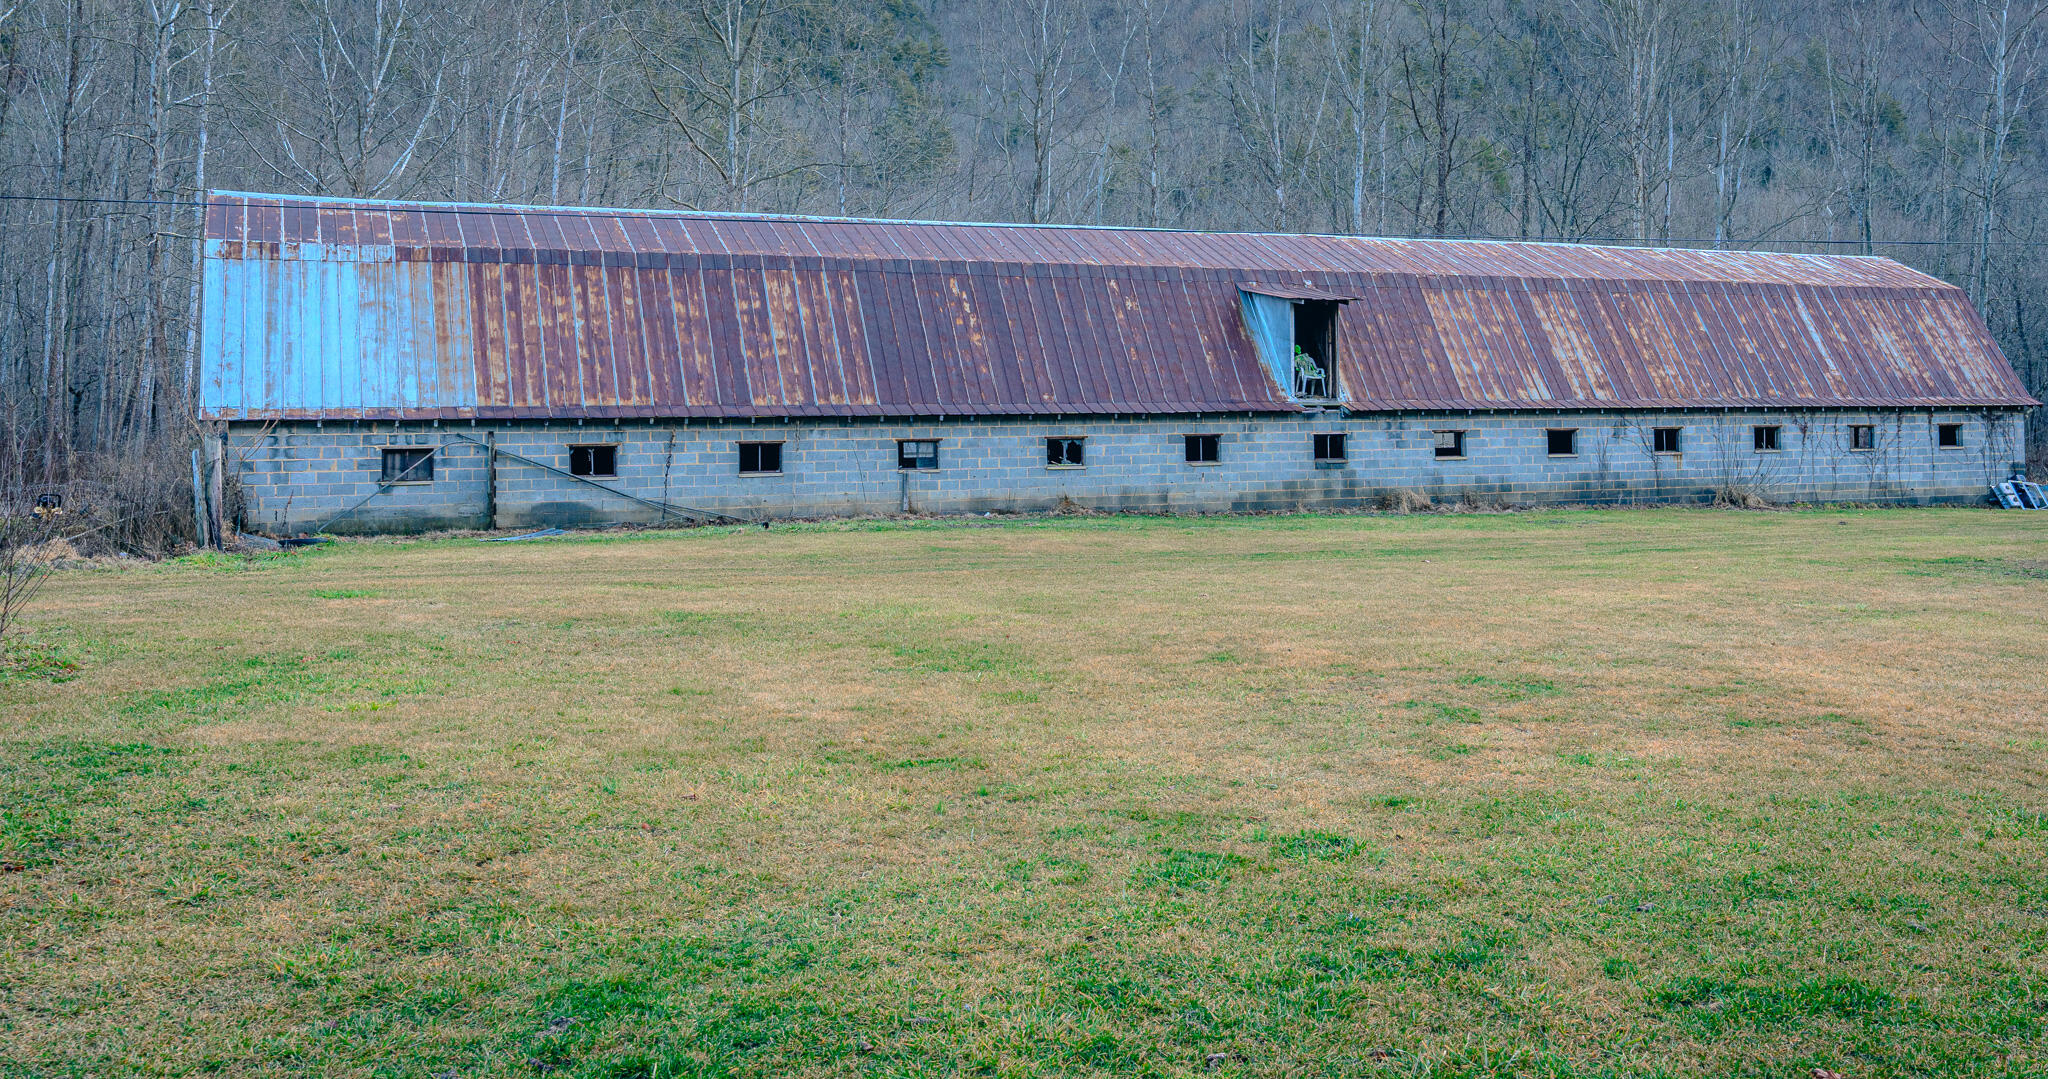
[[385, 366]]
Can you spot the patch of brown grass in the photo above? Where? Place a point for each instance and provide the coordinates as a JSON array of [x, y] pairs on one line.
[[425, 799]]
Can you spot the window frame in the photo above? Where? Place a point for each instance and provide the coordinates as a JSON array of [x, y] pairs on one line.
[[384, 473], [1571, 436], [911, 464], [740, 451], [593, 474], [1948, 436], [1320, 443], [1078, 443], [1677, 439], [1862, 438], [1758, 440], [1214, 443], [1459, 451]]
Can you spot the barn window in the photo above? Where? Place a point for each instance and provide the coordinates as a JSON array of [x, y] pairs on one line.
[[598, 460], [1064, 453], [917, 455], [1450, 444], [1315, 347], [760, 458], [1665, 439], [1204, 449], [1765, 437], [412, 465], [1862, 436], [1564, 441], [1949, 436], [1329, 447]]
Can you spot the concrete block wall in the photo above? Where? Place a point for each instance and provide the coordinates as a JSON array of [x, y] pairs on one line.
[[300, 476]]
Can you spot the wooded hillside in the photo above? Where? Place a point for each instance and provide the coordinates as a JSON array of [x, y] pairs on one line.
[[1907, 129]]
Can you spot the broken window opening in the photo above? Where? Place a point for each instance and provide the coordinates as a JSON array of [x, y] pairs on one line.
[[1564, 441], [1665, 440], [1329, 447], [594, 460], [1315, 348], [917, 455], [1064, 453], [1204, 449], [1765, 437], [760, 458], [1949, 436], [410, 465], [1450, 444], [1862, 436]]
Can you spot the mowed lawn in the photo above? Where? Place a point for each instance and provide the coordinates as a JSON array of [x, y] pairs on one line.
[[1660, 792]]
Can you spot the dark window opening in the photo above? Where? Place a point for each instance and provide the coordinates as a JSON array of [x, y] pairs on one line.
[[593, 460], [1862, 436], [1948, 436], [1766, 438], [1329, 447], [1665, 439], [408, 466], [917, 454], [1450, 443], [1063, 453], [1315, 348], [762, 458], [1564, 441], [1204, 449]]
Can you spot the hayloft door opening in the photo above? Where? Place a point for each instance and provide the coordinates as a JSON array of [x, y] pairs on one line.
[[1315, 347], [1293, 328]]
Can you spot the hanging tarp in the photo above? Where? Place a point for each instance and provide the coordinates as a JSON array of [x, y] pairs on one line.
[[1270, 321]]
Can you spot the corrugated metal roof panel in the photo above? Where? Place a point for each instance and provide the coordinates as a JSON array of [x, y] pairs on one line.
[[349, 308]]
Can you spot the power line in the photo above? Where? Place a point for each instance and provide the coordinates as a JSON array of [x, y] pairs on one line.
[[530, 211]]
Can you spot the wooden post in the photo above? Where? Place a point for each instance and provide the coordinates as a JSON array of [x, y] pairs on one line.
[[490, 479], [216, 485], [198, 504]]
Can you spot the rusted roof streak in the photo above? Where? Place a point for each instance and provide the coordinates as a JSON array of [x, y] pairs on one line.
[[338, 309]]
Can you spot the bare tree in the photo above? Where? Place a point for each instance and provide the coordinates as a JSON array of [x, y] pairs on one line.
[[1437, 92], [214, 15], [1744, 52], [1028, 88], [24, 559], [361, 98], [1636, 37], [717, 75], [1358, 34], [2004, 49], [1279, 96], [65, 100]]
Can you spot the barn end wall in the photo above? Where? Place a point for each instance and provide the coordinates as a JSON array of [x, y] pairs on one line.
[[298, 476]]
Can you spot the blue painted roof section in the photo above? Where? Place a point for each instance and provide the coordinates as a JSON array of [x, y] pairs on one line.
[[343, 336]]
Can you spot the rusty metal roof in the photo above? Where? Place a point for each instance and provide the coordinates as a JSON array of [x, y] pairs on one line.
[[336, 308]]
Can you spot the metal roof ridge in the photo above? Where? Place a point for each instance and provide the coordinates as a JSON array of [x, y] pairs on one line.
[[751, 215]]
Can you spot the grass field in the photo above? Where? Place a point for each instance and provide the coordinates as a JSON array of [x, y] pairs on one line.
[[1671, 792]]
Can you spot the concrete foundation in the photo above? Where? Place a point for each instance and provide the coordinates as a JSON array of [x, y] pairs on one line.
[[302, 476]]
